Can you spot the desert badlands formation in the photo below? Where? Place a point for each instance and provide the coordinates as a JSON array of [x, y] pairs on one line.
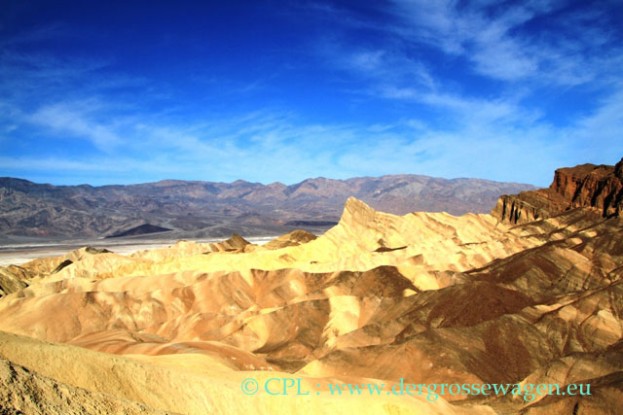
[[530, 294]]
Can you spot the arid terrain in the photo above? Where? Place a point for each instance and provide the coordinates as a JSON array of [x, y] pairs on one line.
[[175, 209], [531, 293]]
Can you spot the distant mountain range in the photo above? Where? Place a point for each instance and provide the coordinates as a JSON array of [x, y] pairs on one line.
[[175, 209]]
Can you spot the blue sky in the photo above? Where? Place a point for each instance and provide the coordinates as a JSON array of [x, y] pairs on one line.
[[104, 92]]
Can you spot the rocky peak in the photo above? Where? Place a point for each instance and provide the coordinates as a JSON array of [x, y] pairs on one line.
[[236, 241], [592, 186], [357, 211]]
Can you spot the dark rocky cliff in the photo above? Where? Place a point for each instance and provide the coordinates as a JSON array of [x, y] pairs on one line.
[[590, 186]]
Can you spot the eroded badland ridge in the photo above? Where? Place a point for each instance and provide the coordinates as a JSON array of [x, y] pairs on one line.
[[425, 297], [184, 209]]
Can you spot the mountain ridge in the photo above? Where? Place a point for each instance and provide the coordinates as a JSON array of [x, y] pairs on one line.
[[208, 209]]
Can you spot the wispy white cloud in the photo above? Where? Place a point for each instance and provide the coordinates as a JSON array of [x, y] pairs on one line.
[[602, 129], [492, 134], [384, 66], [36, 77], [281, 147], [46, 164], [530, 48], [495, 40], [76, 119]]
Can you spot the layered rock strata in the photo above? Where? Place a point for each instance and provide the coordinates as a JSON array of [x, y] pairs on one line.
[[599, 187]]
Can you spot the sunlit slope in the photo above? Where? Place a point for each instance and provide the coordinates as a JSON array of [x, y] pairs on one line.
[[429, 298], [363, 239], [50, 379]]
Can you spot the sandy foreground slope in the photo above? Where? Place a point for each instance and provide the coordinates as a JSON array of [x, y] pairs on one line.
[[425, 297]]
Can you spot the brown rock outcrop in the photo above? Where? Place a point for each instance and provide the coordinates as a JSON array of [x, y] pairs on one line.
[[584, 186]]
